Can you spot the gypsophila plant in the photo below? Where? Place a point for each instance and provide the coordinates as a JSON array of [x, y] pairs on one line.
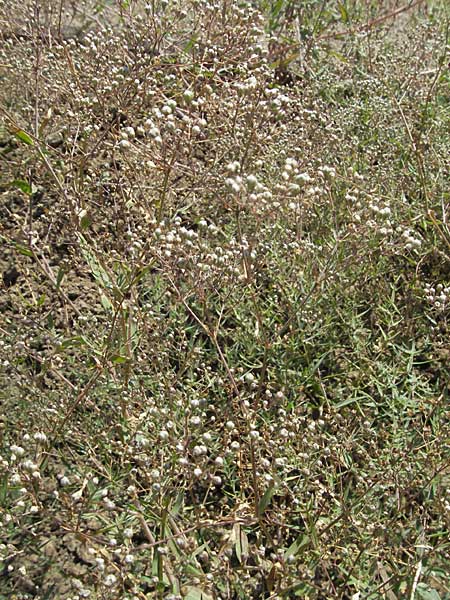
[[225, 300]]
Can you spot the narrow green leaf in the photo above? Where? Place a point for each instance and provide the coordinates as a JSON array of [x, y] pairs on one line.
[[3, 490], [140, 274], [23, 250], [105, 302], [41, 299], [240, 539], [97, 270], [85, 222], [317, 364], [340, 57], [412, 354], [277, 8], [119, 360], [191, 570], [199, 550], [294, 549], [24, 137], [266, 499], [23, 185], [346, 402], [50, 321], [60, 277], [344, 13], [177, 505], [77, 340]]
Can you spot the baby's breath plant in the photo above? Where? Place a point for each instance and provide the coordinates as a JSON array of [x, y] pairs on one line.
[[225, 300]]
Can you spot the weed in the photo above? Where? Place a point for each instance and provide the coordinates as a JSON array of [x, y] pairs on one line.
[[225, 306]]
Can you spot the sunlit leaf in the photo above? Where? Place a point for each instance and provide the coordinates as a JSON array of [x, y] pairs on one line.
[[295, 548], [344, 13], [105, 302], [22, 185], [23, 250], [119, 360], [24, 137], [41, 299]]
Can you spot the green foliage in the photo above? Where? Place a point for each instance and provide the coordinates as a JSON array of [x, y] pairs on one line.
[[24, 137], [22, 185]]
